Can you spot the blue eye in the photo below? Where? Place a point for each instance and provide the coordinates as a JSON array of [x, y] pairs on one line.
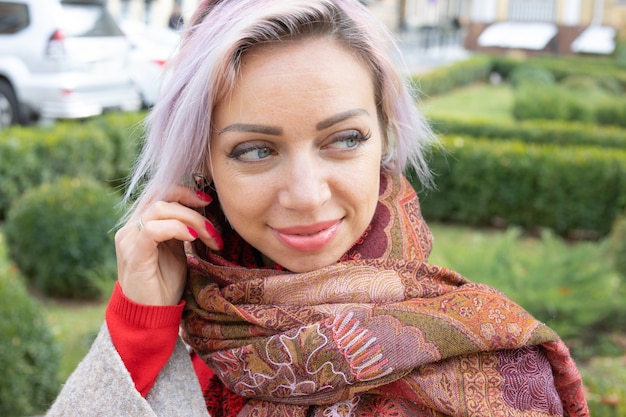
[[251, 153], [349, 140]]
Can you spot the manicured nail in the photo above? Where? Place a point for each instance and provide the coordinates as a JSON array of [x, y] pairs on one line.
[[204, 196], [216, 236], [192, 232]]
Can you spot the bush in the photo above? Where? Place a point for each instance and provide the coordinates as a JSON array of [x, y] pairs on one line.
[[576, 191], [611, 111], [102, 148], [585, 84], [535, 76], [617, 244], [555, 132], [32, 156], [564, 66], [444, 79], [29, 356], [124, 131], [539, 103], [59, 235]]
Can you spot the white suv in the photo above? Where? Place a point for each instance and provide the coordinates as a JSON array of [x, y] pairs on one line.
[[61, 59]]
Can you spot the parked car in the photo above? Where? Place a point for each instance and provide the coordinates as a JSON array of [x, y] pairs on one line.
[[151, 47], [62, 59]]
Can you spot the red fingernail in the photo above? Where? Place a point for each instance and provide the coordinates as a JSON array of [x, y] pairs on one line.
[[216, 236], [192, 232], [204, 196]]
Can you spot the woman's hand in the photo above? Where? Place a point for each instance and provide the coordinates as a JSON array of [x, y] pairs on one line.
[[151, 261]]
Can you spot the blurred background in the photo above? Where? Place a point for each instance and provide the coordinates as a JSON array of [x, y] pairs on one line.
[[527, 97]]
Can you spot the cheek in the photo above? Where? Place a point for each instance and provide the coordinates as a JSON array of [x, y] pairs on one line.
[[234, 203], [244, 203]]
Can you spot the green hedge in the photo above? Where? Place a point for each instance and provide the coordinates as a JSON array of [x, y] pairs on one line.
[[102, 148], [602, 69], [444, 79], [76, 255], [560, 102], [607, 72], [574, 191], [617, 245], [555, 132], [29, 356], [124, 130]]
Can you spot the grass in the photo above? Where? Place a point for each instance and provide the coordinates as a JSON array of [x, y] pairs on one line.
[[480, 101], [75, 325]]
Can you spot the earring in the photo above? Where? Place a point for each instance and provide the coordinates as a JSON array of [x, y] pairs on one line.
[[199, 181]]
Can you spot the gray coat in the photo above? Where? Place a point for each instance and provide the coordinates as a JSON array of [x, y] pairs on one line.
[[101, 386]]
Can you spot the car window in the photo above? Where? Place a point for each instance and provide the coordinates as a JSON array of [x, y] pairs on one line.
[[13, 17], [88, 20]]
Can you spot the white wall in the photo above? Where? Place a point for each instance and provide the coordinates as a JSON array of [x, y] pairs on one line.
[[483, 11], [160, 12]]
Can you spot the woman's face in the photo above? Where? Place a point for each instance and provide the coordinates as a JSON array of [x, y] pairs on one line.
[[296, 150]]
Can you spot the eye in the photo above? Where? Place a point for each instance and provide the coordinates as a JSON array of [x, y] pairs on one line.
[[251, 152], [348, 140]]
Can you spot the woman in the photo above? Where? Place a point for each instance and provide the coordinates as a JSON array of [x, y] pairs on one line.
[[305, 290]]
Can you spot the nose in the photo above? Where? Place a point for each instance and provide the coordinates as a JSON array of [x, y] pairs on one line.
[[305, 185]]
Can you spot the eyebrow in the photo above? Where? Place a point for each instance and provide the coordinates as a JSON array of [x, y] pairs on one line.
[[246, 127], [340, 117], [277, 131]]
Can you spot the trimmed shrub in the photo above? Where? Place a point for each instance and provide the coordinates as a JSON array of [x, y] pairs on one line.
[[611, 111], [564, 66], [535, 76], [32, 156], [575, 191], [555, 103], [444, 79], [581, 83], [555, 132], [617, 245], [584, 84], [102, 148], [124, 130], [60, 237], [29, 356]]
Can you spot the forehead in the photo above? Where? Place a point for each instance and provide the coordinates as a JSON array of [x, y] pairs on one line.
[[306, 51], [309, 73]]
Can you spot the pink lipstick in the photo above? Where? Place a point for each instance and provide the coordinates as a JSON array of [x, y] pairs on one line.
[[308, 238]]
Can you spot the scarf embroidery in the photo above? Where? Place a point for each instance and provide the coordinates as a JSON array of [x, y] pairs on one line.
[[379, 333]]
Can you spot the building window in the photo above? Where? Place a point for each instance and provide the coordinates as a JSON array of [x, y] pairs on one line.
[[532, 10]]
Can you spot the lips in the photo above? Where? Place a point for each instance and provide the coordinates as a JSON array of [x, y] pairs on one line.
[[308, 238]]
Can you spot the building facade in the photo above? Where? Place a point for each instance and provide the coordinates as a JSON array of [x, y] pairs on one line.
[[560, 22], [555, 26]]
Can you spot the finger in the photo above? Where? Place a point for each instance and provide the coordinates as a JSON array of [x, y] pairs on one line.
[[191, 225], [188, 196]]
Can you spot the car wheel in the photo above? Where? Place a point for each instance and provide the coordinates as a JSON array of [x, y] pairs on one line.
[[8, 105]]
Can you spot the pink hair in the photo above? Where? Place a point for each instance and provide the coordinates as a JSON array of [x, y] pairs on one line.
[[206, 66]]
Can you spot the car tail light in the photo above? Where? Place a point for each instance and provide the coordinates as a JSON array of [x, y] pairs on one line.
[[56, 45], [159, 62]]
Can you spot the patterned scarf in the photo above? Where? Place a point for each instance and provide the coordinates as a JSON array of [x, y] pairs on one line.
[[379, 333]]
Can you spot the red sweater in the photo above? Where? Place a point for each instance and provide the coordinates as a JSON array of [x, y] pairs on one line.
[[145, 337]]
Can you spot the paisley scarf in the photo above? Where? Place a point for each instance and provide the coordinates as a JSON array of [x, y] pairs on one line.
[[379, 333]]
